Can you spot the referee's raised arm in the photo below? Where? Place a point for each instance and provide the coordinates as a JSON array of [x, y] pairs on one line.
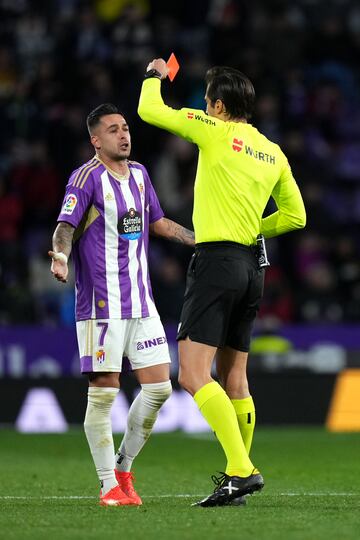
[[151, 105], [194, 125]]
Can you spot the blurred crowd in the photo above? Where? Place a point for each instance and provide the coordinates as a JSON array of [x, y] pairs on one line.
[[61, 58]]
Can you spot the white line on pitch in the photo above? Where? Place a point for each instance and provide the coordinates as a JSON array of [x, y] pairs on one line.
[[68, 497], [317, 494], [177, 496]]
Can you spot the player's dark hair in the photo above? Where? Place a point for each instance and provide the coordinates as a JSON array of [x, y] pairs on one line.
[[95, 116], [233, 88]]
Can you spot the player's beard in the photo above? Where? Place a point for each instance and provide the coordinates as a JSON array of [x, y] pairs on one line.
[[121, 155]]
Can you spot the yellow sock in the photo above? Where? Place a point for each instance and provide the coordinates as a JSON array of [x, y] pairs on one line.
[[216, 408], [245, 412]]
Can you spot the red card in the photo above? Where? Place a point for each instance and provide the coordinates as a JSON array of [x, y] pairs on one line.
[[173, 66]]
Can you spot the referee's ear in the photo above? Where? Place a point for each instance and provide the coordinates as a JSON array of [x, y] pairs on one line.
[[219, 108]]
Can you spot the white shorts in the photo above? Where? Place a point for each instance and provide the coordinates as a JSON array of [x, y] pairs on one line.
[[104, 342]]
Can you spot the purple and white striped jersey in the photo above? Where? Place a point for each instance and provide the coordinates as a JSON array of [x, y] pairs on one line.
[[110, 251]]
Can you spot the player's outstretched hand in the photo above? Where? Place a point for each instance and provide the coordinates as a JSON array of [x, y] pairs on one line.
[[160, 65], [59, 267]]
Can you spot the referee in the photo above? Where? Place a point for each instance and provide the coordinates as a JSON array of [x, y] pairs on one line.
[[238, 170]]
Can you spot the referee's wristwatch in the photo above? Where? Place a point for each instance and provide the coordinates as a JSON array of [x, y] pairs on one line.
[[152, 73]]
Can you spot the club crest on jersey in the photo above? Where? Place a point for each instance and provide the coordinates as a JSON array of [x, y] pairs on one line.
[[141, 190], [69, 204], [100, 356], [130, 225]]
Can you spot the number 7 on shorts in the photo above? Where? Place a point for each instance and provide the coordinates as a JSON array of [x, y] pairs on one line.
[[104, 327]]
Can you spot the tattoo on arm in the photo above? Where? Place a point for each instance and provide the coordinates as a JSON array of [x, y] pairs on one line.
[[173, 231], [62, 238]]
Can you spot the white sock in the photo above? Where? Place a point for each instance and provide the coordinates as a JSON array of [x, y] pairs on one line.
[[141, 418], [98, 432]]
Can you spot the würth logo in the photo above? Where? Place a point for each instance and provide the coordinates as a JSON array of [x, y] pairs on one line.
[[237, 145], [150, 343], [201, 117]]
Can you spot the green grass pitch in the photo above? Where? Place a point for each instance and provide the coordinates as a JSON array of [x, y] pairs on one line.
[[312, 489]]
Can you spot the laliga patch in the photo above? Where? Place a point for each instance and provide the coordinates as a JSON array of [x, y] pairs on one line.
[[69, 204]]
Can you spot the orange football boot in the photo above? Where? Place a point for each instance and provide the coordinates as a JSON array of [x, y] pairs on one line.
[[115, 497], [125, 481]]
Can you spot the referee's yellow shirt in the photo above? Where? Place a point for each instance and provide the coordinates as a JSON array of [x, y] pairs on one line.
[[238, 170]]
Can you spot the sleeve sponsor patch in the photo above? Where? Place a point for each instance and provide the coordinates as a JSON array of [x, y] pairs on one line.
[[69, 204]]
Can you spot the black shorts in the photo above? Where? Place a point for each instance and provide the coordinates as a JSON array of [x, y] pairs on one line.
[[224, 287]]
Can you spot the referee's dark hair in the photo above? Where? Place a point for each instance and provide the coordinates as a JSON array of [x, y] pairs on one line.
[[233, 88], [94, 116]]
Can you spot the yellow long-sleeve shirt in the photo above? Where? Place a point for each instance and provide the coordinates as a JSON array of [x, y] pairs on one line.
[[238, 170]]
